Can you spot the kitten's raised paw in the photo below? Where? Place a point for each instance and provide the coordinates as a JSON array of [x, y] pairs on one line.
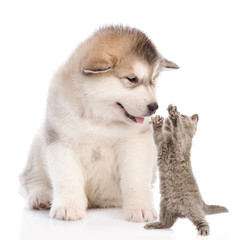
[[172, 110], [157, 120]]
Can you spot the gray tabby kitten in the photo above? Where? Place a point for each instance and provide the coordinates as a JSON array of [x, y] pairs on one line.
[[180, 196]]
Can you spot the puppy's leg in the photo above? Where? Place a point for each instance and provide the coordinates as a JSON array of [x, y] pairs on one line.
[[34, 179], [69, 199], [136, 159]]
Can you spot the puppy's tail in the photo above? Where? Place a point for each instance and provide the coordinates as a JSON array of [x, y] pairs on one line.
[[214, 209]]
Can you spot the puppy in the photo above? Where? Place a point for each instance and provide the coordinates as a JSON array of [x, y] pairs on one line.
[[95, 147]]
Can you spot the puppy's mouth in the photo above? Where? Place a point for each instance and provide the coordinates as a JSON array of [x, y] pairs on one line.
[[139, 120]]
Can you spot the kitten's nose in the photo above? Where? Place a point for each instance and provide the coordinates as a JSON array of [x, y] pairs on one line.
[[152, 108]]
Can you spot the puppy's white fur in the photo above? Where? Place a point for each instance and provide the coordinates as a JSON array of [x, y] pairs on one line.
[[87, 152]]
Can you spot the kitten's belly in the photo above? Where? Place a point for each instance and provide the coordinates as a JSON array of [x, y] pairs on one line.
[[101, 173]]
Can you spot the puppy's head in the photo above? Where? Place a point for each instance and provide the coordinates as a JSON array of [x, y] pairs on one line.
[[119, 67]]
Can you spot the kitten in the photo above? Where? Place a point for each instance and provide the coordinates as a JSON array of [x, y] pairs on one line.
[[180, 196]]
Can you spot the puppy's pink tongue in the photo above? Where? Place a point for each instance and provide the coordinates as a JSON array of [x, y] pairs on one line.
[[139, 120]]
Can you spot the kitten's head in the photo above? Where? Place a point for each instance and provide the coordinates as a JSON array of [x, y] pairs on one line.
[[190, 124]]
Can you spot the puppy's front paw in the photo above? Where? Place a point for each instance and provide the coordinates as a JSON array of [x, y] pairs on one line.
[[67, 212], [40, 199], [140, 215]]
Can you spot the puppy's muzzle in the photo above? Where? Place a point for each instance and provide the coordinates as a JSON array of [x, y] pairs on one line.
[[152, 108]]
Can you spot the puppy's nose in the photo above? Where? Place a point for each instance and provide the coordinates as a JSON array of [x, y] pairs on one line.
[[152, 108]]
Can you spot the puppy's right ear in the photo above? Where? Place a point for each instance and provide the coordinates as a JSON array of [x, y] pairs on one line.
[[166, 64], [96, 63]]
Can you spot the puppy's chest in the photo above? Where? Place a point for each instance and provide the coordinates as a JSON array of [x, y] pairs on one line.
[[97, 150]]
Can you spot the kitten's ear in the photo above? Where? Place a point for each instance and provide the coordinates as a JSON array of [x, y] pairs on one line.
[[98, 63], [167, 65], [195, 118]]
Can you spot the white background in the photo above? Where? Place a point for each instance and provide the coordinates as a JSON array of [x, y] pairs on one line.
[[209, 40]]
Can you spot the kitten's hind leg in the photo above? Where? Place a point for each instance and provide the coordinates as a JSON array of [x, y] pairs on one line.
[[200, 222], [167, 222], [155, 225]]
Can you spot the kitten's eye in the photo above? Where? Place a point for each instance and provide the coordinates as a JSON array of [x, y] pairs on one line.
[[132, 79]]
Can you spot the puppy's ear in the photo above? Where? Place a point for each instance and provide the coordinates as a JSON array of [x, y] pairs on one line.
[[166, 64], [98, 63]]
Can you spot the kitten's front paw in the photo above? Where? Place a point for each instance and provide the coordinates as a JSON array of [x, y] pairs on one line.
[[172, 110], [140, 215], [67, 212], [157, 120]]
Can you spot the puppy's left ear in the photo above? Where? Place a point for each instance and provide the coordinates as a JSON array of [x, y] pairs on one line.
[[195, 119], [166, 64], [98, 63]]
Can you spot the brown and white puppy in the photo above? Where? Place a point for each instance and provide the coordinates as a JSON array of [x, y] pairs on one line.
[[96, 148]]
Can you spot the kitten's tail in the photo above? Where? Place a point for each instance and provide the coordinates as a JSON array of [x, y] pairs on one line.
[[214, 209]]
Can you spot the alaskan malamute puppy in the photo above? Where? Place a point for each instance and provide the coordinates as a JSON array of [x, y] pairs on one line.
[[96, 148]]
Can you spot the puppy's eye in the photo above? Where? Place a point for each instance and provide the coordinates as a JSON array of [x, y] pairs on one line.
[[132, 79]]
